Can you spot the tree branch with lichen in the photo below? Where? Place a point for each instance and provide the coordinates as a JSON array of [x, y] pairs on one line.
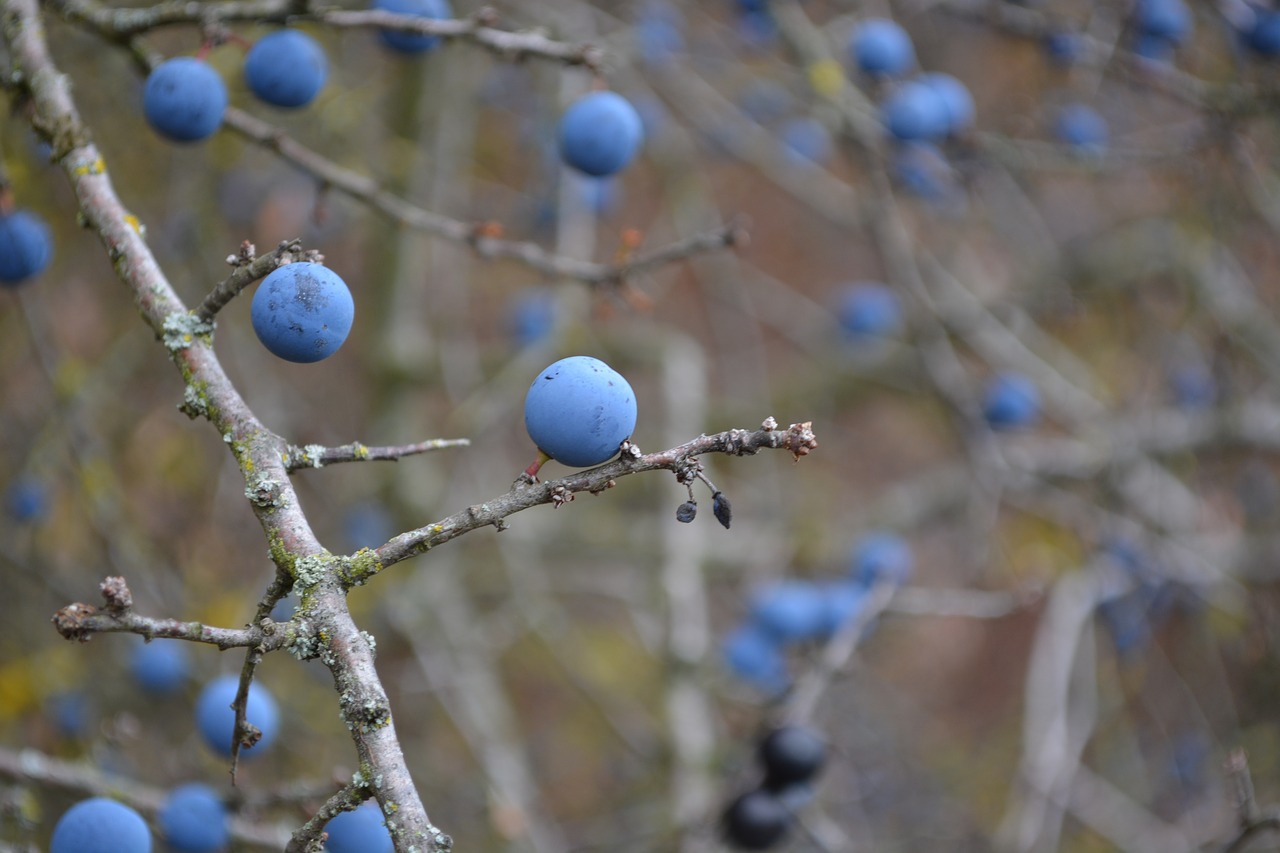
[[798, 439], [318, 456], [323, 627]]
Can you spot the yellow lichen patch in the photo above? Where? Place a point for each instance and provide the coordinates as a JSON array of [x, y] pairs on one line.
[[137, 225], [97, 167], [826, 78]]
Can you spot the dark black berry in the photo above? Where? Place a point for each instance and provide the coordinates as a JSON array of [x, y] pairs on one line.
[[720, 506], [755, 821], [791, 755], [686, 511]]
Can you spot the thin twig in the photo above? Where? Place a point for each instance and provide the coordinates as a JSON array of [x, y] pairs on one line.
[[318, 456]]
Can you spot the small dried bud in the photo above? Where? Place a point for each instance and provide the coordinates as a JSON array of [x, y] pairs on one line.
[[769, 423], [117, 595], [723, 511], [687, 511]]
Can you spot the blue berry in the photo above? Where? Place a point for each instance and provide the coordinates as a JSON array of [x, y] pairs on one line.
[[26, 246], [1064, 48], [956, 99], [302, 312], [70, 712], [27, 500], [1164, 19], [600, 133], [216, 720], [756, 820], [1154, 49], [916, 112], [880, 556], [756, 658], [842, 601], [184, 99], [160, 666], [807, 141], [791, 755], [790, 611], [879, 46], [868, 309], [533, 317], [658, 36], [286, 68], [1011, 400], [923, 170], [1264, 37], [1080, 126], [99, 825], [193, 819], [413, 42], [579, 410], [361, 830], [367, 525], [1193, 385]]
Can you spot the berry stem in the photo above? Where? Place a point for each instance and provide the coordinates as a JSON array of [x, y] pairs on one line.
[[536, 465]]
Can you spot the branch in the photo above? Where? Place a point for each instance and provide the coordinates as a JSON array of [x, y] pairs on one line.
[[317, 456], [797, 438], [81, 621], [260, 454], [32, 766], [479, 236], [249, 267], [309, 838], [121, 24]]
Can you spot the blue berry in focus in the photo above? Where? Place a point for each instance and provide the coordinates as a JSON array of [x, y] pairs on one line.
[[361, 830], [579, 410], [216, 721], [600, 133], [99, 825], [302, 312], [26, 246], [879, 46], [159, 666], [184, 99], [286, 68], [1011, 400], [412, 42], [193, 819]]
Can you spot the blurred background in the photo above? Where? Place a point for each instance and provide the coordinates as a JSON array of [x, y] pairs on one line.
[[1088, 625]]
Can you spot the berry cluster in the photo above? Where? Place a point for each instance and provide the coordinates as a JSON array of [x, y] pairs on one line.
[[791, 758], [792, 612]]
